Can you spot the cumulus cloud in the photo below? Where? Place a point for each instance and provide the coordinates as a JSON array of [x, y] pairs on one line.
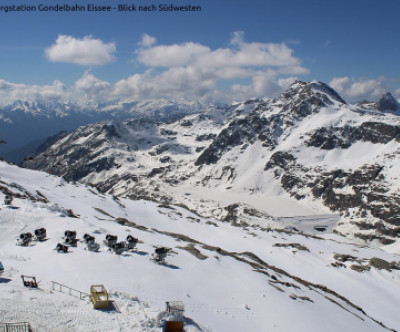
[[93, 87], [188, 70], [147, 40], [177, 81], [10, 92], [87, 51], [195, 70], [354, 90], [239, 54]]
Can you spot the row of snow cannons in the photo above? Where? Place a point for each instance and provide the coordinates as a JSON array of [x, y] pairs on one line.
[[111, 241], [70, 240], [26, 239], [118, 248]]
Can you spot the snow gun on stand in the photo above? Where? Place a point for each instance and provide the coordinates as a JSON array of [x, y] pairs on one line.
[[70, 238], [24, 239], [160, 254], [91, 245], [61, 248], [110, 240], [40, 234], [131, 242]]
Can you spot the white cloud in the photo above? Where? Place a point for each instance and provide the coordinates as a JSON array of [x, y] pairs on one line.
[[10, 92], [92, 87], [194, 70], [187, 70], [240, 54], [87, 51], [147, 40], [354, 90]]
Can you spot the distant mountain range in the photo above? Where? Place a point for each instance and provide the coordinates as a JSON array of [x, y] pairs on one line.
[[24, 125], [263, 161]]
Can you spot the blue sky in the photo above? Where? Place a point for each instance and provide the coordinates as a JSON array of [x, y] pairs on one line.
[[231, 50]]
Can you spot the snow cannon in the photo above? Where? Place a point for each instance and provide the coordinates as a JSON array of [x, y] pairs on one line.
[[93, 246], [70, 234], [61, 248], [111, 240], [88, 238], [118, 247], [131, 242], [26, 236], [160, 254], [24, 239], [70, 238], [40, 234], [71, 242], [8, 200]]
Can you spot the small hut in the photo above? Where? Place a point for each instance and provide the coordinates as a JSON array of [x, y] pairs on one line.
[[175, 323]]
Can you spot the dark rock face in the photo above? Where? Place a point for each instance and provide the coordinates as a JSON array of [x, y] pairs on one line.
[[300, 101], [344, 137], [110, 131], [280, 159], [387, 103], [365, 190], [97, 166], [186, 123], [50, 141], [238, 132], [205, 137], [155, 171]]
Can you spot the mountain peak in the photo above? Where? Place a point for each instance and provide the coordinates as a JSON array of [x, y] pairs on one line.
[[387, 103], [307, 89]]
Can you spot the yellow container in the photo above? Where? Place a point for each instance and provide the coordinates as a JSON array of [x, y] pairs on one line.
[[99, 296]]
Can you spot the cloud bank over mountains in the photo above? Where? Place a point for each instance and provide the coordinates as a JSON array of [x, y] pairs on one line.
[[187, 70]]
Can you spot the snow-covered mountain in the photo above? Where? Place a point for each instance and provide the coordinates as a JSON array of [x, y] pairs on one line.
[[24, 125], [266, 162], [229, 277]]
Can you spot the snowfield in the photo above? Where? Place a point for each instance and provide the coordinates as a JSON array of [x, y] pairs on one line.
[[230, 278]]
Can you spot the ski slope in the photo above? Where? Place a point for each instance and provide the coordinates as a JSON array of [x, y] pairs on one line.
[[229, 278]]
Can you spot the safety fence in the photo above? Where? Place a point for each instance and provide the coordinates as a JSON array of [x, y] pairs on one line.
[[56, 286], [15, 327]]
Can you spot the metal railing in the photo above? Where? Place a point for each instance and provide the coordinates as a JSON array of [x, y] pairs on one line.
[[56, 286], [15, 327]]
